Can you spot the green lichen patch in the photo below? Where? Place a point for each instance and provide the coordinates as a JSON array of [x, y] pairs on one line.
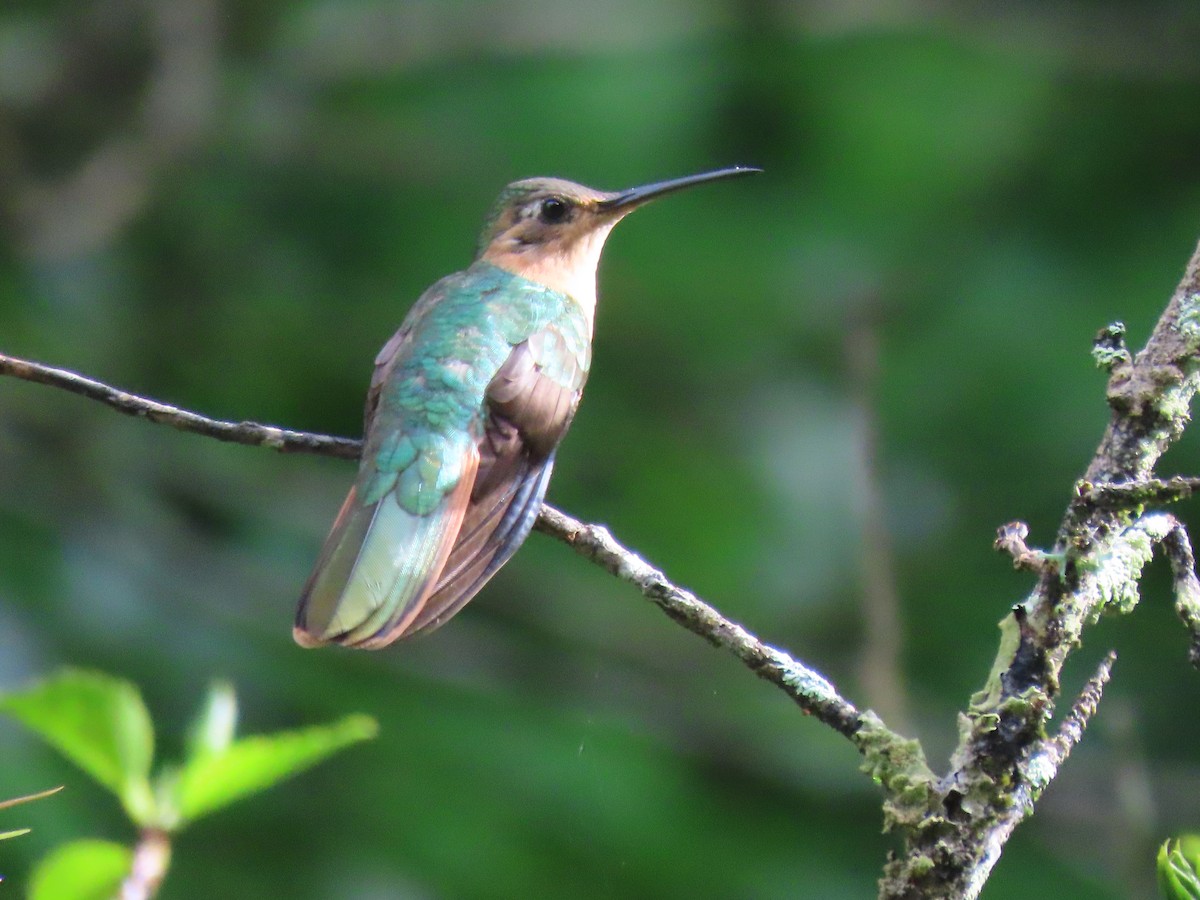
[[1108, 349], [897, 765], [993, 689]]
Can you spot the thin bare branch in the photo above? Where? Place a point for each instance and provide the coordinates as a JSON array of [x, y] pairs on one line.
[[28, 798], [250, 433], [151, 859], [811, 691]]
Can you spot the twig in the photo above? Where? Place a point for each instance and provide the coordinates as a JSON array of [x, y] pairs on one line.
[[250, 433], [1187, 587], [1132, 494], [28, 798], [810, 690], [1038, 769], [151, 859], [1010, 539]]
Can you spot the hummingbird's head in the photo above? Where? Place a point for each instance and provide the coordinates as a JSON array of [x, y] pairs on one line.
[[552, 231]]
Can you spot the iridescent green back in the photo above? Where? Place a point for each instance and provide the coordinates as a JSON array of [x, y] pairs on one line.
[[430, 407]]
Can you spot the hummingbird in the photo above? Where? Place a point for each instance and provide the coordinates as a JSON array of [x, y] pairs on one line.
[[467, 404]]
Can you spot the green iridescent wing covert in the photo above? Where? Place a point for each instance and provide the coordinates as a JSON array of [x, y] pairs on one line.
[[467, 404]]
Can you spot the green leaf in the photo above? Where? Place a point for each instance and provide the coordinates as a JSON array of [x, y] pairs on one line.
[[211, 781], [212, 730], [210, 734], [1178, 861], [166, 799], [99, 723], [81, 870], [17, 832]]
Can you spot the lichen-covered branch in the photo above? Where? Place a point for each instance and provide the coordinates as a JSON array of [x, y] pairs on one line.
[[1132, 495], [1098, 554], [1187, 587], [1038, 769], [807, 687]]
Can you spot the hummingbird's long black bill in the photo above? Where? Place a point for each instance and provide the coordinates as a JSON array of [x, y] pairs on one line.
[[639, 195]]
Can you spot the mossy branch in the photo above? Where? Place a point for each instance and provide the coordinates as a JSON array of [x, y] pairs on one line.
[[1000, 765]]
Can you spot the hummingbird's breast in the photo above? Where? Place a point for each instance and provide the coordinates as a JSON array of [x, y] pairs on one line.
[[566, 267]]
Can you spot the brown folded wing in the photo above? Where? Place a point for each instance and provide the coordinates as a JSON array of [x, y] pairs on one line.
[[527, 414]]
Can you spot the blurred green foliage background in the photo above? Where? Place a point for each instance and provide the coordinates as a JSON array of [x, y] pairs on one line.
[[815, 395]]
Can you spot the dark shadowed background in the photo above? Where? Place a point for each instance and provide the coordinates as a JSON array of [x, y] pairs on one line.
[[815, 395]]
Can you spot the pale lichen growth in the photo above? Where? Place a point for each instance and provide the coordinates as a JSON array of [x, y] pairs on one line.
[[1117, 572], [1188, 323], [1040, 771], [808, 682], [1109, 350], [1174, 403]]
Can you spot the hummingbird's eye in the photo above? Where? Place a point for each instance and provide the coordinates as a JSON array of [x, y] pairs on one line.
[[554, 210]]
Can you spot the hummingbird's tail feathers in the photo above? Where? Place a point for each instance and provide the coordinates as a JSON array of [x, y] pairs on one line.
[[332, 570], [378, 565], [491, 533]]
